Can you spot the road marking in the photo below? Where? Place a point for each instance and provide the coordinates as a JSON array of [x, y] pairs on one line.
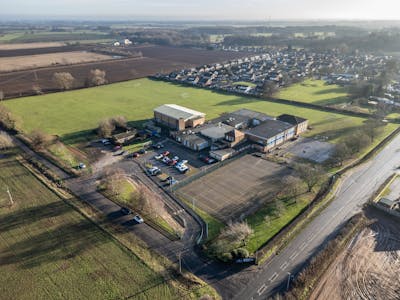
[[304, 245], [273, 277], [261, 289], [294, 255], [284, 265]]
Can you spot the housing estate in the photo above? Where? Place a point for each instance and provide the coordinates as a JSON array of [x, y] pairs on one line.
[[230, 133]]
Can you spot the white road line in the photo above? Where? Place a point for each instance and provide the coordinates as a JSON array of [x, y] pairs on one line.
[[294, 255], [273, 277], [261, 289], [284, 265], [303, 246]]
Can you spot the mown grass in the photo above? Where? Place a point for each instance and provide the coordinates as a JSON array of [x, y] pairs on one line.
[[49, 250], [315, 92], [73, 115]]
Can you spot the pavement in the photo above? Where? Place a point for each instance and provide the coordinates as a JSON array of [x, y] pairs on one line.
[[254, 282]]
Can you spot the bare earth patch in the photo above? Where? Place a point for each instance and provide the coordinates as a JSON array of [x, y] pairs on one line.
[[367, 269], [31, 45], [9, 64]]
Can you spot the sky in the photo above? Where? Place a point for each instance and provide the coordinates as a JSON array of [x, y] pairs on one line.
[[205, 9]]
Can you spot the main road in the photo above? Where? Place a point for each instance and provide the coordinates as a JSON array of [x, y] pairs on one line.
[[357, 186]]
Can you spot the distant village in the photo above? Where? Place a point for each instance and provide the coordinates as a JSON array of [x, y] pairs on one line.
[[281, 67]]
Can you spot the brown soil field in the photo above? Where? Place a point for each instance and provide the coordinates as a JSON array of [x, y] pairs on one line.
[[156, 59], [17, 63], [369, 267], [31, 45], [237, 188]]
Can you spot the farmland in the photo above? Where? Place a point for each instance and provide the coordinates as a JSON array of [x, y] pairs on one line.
[[49, 250], [156, 59], [71, 115], [8, 64]]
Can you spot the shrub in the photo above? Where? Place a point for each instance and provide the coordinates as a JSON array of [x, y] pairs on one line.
[[226, 257]]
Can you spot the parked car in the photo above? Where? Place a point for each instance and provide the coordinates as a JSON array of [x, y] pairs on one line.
[[159, 156], [158, 146], [153, 171], [105, 142], [118, 147], [135, 154], [81, 166], [171, 182], [183, 169], [142, 151], [166, 160], [138, 219], [165, 153], [175, 158], [181, 163], [126, 211], [172, 162]]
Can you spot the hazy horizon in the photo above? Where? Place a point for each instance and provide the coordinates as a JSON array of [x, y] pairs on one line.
[[233, 10]]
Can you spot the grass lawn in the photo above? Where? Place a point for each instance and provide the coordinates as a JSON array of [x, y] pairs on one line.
[[72, 115], [48, 250], [315, 92], [264, 230]]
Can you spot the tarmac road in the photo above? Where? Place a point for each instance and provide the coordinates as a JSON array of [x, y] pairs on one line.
[[356, 189]]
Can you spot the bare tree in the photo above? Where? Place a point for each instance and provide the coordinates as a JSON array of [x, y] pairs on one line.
[[291, 186], [270, 88], [111, 180], [105, 128], [279, 207], [39, 139], [357, 141], [6, 141], [37, 89], [7, 120], [236, 232], [311, 175], [63, 80], [97, 77], [340, 154], [120, 122]]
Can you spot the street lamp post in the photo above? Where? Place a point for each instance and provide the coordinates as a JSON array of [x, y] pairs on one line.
[[288, 281]]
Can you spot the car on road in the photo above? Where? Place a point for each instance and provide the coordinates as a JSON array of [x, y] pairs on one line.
[[138, 219], [126, 211]]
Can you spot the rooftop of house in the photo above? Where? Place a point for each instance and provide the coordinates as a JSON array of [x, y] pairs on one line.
[[178, 112], [269, 129], [251, 114], [294, 120]]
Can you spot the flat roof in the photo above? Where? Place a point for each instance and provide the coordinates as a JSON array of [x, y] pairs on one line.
[[178, 112], [269, 129], [216, 131]]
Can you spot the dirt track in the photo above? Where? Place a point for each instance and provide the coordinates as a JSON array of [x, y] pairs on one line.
[[156, 59], [369, 267]]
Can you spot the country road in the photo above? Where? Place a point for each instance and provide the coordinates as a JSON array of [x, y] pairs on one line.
[[357, 187]]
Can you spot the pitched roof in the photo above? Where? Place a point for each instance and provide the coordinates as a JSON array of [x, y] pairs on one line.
[[294, 120], [178, 112], [269, 129]]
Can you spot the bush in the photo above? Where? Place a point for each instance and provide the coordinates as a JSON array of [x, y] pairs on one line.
[[226, 257], [242, 253]]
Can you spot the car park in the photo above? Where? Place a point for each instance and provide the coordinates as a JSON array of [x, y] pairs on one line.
[[126, 211], [138, 219]]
